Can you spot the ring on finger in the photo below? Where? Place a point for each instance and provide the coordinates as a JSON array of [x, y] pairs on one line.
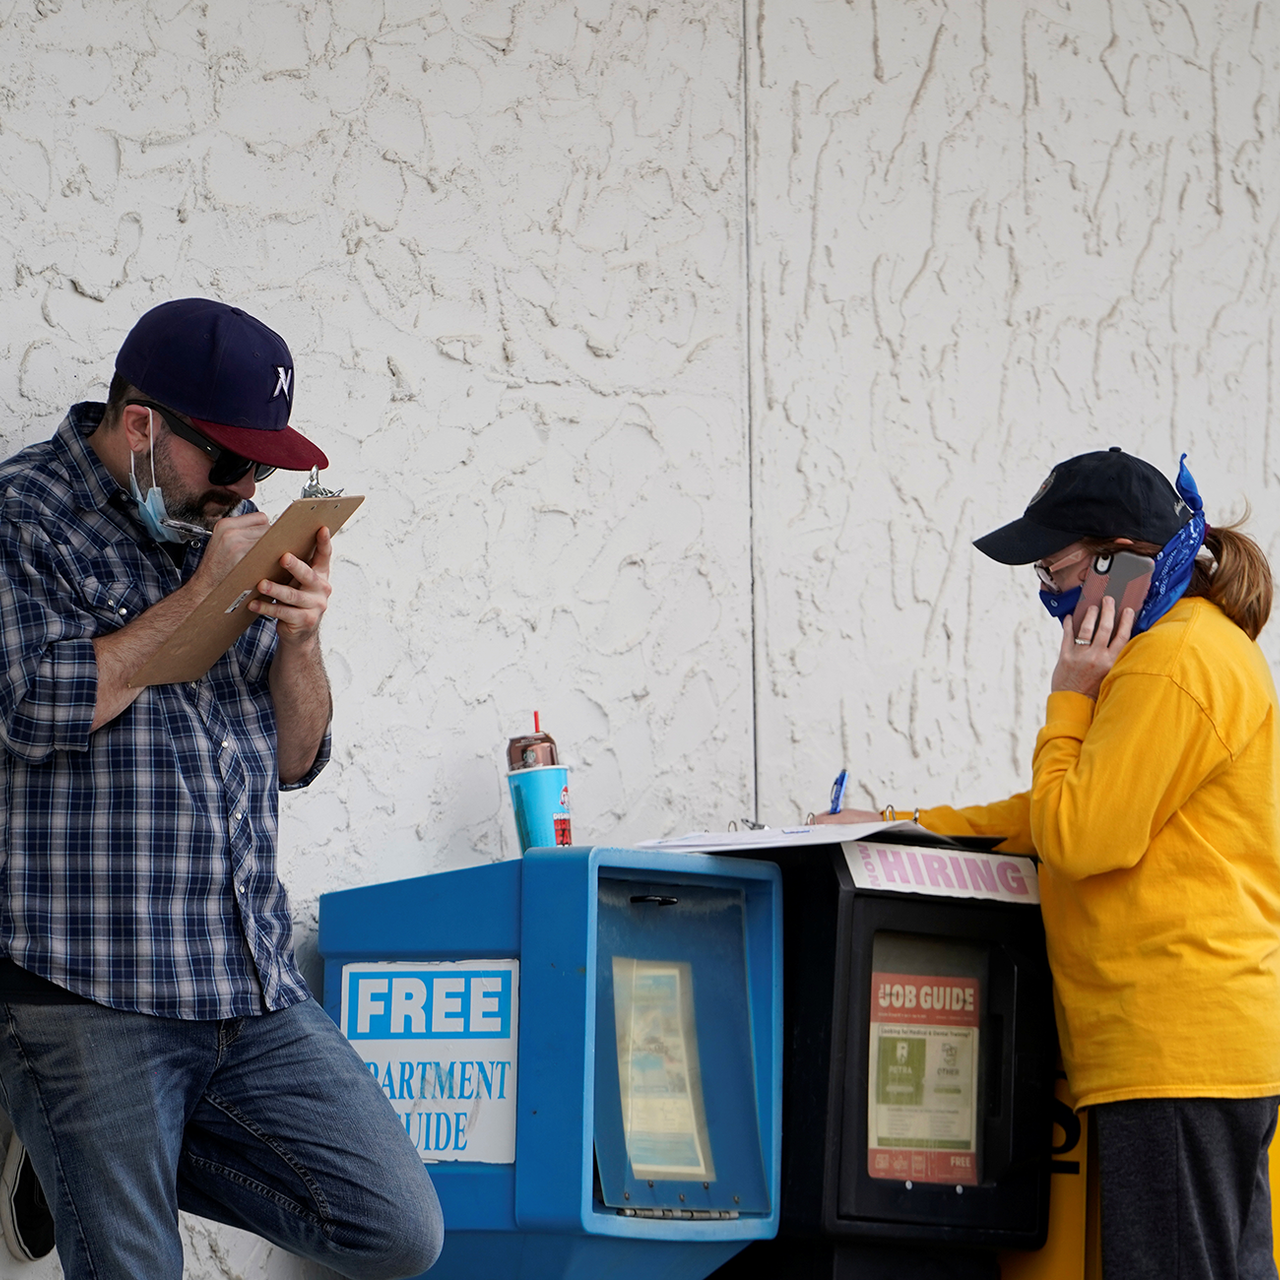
[[1084, 642]]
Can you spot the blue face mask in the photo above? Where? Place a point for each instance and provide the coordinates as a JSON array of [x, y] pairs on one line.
[[1063, 605], [1174, 564], [151, 509]]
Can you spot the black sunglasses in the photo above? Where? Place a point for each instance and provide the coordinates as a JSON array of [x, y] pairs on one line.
[[227, 467]]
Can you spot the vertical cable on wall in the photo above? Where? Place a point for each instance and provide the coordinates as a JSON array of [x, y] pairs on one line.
[[750, 54]]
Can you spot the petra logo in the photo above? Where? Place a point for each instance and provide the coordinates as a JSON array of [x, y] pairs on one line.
[[283, 378]]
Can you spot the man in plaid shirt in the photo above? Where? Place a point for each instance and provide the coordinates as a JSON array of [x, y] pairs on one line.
[[161, 1050]]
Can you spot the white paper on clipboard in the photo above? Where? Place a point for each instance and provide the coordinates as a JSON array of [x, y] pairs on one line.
[[777, 837], [224, 614]]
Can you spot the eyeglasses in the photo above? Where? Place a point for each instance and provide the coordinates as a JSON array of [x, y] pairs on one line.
[[227, 467], [1045, 572]]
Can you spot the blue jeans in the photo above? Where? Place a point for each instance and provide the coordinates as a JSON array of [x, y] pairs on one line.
[[270, 1123]]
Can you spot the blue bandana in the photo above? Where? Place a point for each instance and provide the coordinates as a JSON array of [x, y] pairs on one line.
[[1174, 563], [1172, 574]]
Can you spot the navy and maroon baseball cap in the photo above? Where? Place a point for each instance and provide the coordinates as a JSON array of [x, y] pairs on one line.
[[227, 372], [1108, 494]]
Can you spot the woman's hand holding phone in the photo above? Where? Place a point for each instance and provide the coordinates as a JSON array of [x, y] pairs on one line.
[[1082, 666]]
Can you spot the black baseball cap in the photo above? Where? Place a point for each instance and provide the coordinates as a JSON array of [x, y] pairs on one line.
[[1108, 494], [227, 372]]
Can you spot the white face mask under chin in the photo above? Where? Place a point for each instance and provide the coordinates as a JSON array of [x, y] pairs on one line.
[[160, 524]]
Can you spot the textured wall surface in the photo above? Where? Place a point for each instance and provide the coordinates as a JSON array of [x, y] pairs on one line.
[[505, 241], [984, 238], [680, 348]]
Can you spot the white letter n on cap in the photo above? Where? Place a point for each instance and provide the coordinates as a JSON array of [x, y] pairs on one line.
[[283, 378]]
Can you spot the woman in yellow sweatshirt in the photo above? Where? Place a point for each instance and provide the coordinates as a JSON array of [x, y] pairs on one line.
[[1155, 811]]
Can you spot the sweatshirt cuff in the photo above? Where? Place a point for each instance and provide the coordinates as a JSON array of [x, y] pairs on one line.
[[1068, 714]]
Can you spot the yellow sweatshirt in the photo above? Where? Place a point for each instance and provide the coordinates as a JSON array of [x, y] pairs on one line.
[[1156, 814]]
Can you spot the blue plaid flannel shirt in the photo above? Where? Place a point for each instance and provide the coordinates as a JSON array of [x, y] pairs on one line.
[[139, 861]]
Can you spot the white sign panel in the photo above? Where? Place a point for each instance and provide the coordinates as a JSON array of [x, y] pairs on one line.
[[942, 873], [440, 1038]]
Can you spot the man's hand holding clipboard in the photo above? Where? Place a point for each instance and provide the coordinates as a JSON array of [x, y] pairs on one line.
[[219, 620]]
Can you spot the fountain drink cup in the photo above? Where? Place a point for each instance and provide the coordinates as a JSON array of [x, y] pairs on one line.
[[540, 797], [539, 786]]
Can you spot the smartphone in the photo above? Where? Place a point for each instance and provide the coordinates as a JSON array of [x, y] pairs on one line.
[[1124, 576]]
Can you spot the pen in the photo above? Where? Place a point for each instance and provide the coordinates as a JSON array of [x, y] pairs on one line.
[[837, 790]]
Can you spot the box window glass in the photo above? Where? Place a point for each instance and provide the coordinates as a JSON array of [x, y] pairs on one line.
[[677, 1130], [663, 1118], [924, 1060]]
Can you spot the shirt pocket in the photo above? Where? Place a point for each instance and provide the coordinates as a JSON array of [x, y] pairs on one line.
[[114, 600], [254, 650]]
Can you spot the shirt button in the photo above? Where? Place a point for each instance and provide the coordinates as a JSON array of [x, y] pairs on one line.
[[242, 888], [122, 612], [225, 743], [239, 816]]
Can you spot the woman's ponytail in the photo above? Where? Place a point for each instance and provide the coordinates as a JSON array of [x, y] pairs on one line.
[[1237, 579]]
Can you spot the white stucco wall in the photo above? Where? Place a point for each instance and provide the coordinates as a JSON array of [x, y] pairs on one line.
[[506, 246], [984, 238], [680, 350]]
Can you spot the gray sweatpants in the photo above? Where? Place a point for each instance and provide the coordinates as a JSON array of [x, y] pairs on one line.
[[1185, 1189]]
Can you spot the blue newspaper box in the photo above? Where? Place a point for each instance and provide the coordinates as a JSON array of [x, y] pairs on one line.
[[585, 1046]]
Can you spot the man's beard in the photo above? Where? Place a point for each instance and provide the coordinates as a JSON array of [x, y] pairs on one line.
[[203, 507]]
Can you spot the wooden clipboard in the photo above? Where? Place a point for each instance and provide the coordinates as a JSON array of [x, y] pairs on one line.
[[224, 614]]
